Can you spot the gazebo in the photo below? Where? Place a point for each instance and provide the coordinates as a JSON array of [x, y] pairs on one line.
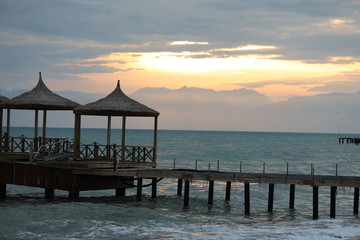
[[118, 104], [39, 98]]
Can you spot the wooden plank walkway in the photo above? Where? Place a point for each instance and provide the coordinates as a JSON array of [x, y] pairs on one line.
[[188, 174]]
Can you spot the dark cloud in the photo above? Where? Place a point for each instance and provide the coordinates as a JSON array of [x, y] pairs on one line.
[[43, 35]]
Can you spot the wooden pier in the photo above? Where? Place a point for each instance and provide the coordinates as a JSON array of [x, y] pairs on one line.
[[76, 176], [349, 140]]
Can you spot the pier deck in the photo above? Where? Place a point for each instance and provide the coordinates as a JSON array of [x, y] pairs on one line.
[[189, 174]]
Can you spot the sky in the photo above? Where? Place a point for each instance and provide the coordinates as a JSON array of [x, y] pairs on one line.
[[279, 48]]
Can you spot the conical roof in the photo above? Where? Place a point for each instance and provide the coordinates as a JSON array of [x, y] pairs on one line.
[[3, 99], [116, 104], [40, 98]]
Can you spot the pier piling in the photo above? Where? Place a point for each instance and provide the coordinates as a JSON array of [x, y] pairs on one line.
[[315, 202], [211, 192], [228, 191], [179, 187], [271, 197], [153, 187], [120, 192], [49, 193], [292, 196], [139, 189], [333, 202], [186, 193], [2, 190], [356, 200], [74, 194], [247, 198]]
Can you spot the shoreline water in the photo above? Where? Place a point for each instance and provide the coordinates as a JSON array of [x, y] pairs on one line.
[[101, 215]]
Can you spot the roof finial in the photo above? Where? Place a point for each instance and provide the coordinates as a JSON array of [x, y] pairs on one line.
[[40, 76]]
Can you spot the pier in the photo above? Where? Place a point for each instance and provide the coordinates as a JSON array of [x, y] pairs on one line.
[[349, 140], [77, 176], [70, 165]]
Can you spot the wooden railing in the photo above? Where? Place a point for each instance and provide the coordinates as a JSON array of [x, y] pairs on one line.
[[131, 153], [138, 154], [22, 145]]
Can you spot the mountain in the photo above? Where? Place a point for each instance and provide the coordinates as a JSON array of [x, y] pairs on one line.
[[237, 110]]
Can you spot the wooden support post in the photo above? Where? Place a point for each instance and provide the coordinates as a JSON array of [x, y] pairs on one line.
[[49, 193], [2, 190], [228, 191], [139, 189], [211, 192], [315, 202], [120, 192], [333, 202], [187, 193], [247, 198], [292, 196], [271, 197], [179, 187], [356, 200], [73, 194], [153, 188]]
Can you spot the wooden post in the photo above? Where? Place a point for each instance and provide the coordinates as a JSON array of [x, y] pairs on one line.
[[8, 122], [73, 194], [1, 126], [186, 193], [43, 144], [292, 196], [139, 189], [271, 197], [155, 140], [7, 136], [153, 187], [114, 157], [2, 190], [49, 193], [333, 202], [36, 133], [179, 187], [120, 192], [315, 202], [77, 133], [31, 157], [228, 191], [108, 137], [247, 198], [356, 200], [123, 139], [211, 192]]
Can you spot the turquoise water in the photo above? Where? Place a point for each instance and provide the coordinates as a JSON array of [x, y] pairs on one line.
[[26, 214]]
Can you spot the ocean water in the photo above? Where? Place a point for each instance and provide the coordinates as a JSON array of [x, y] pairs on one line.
[[26, 214]]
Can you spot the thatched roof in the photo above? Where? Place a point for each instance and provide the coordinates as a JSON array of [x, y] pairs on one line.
[[3, 99], [116, 104], [40, 98]]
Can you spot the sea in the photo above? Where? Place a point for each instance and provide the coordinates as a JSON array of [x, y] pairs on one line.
[[26, 214]]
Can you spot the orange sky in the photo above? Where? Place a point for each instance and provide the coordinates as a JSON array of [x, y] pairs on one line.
[[266, 73]]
